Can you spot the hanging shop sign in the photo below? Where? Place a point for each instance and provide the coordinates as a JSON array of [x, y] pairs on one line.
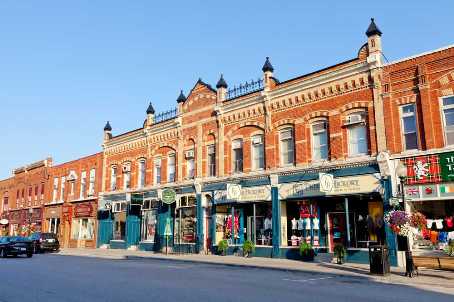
[[83, 210], [340, 186], [243, 194], [423, 169], [4, 221], [168, 196]]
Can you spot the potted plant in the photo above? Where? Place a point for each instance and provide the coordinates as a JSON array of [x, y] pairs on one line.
[[339, 252], [223, 245], [307, 252], [248, 248]]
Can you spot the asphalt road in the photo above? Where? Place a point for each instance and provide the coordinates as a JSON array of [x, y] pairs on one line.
[[48, 278]]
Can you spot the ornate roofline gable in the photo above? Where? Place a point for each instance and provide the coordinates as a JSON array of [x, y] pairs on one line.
[[199, 85]]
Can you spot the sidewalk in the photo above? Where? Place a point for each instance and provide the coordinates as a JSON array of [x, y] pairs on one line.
[[434, 280]]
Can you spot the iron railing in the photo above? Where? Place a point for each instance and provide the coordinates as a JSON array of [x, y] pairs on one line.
[[165, 116], [245, 88]]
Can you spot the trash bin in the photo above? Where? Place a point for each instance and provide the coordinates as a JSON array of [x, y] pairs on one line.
[[379, 260]]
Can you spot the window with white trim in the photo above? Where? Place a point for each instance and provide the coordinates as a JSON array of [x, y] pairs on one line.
[[237, 155], [448, 119], [287, 144], [190, 164], [319, 140], [357, 134], [408, 124], [83, 184], [141, 174], [91, 184], [55, 190], [113, 178], [258, 152], [157, 171], [62, 188], [211, 159], [171, 167], [126, 176]]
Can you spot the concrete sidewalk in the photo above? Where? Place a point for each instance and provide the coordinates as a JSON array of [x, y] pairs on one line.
[[435, 280]]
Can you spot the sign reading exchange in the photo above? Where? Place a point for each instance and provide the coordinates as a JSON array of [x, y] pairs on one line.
[[341, 185]]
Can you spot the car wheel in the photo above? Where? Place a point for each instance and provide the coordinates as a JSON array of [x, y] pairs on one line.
[[3, 253]]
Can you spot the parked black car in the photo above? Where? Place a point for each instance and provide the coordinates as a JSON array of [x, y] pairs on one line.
[[15, 246], [44, 242]]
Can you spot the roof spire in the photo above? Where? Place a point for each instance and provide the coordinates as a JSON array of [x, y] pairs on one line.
[[181, 98], [373, 29], [221, 83], [267, 66], [107, 127], [150, 109]]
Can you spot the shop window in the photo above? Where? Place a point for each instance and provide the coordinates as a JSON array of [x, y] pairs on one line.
[[82, 229], [171, 167], [287, 145], [113, 178], [54, 225], [157, 171], [237, 150], [448, 118], [141, 174], [91, 184], [211, 160], [408, 124], [119, 220], [83, 184], [190, 164], [319, 141], [258, 152], [185, 221], [55, 190], [149, 222], [357, 134], [126, 176]]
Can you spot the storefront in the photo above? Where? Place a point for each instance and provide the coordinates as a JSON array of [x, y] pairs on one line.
[[53, 221], [17, 221], [349, 213], [83, 225], [4, 224], [429, 190]]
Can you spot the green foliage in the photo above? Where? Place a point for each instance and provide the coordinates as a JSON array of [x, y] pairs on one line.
[[223, 245], [248, 247], [339, 252], [306, 251]]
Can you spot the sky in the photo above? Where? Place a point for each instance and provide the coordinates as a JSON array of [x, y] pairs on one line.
[[66, 67]]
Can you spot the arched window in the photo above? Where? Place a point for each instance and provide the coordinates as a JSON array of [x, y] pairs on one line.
[[141, 174], [287, 146], [91, 184], [126, 176], [357, 134], [258, 152], [319, 140], [237, 155], [113, 178], [171, 167]]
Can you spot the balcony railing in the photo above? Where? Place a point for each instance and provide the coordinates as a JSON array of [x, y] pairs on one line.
[[245, 88], [165, 116]]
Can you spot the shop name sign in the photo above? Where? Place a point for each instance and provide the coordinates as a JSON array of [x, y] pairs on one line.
[[339, 186], [261, 193], [447, 166], [168, 196]]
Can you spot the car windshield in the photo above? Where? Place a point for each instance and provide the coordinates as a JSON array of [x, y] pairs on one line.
[[48, 235], [35, 236]]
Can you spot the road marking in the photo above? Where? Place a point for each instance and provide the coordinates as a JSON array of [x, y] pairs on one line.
[[307, 280]]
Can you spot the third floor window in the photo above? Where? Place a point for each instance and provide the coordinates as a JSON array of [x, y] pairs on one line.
[[408, 123]]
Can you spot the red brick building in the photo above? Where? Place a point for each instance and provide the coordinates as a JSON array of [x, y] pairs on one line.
[[71, 207]]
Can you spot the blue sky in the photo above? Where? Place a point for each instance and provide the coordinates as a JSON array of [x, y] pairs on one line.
[[66, 68]]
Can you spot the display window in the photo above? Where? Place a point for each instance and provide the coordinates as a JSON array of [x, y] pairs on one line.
[[119, 225], [185, 220], [149, 221], [54, 225], [83, 229]]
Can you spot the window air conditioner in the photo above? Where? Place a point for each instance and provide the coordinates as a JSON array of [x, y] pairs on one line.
[[126, 169], [189, 154], [354, 119], [256, 140]]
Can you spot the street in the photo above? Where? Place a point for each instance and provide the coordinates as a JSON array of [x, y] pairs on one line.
[[52, 277]]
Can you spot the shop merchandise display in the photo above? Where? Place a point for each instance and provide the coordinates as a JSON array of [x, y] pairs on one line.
[[437, 234]]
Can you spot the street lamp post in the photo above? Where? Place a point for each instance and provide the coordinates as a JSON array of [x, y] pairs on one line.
[[30, 213], [401, 173]]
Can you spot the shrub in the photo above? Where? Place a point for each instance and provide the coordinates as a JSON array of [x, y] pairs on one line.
[[248, 248], [339, 252], [306, 251], [223, 245]]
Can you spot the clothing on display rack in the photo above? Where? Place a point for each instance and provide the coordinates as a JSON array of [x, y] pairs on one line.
[[300, 224]]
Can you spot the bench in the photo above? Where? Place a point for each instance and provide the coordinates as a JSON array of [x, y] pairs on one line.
[[435, 262]]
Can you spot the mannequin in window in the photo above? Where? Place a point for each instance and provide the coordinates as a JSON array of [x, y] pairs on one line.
[[300, 226], [268, 224], [294, 226]]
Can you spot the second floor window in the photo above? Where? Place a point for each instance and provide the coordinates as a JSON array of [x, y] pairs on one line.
[[287, 147], [113, 178], [409, 131], [30, 190], [237, 150], [357, 135], [83, 184], [448, 118], [62, 188], [42, 191], [190, 167], [211, 156], [171, 168], [258, 152], [36, 192], [319, 141], [5, 203], [126, 176], [55, 189], [91, 184], [157, 171], [141, 174]]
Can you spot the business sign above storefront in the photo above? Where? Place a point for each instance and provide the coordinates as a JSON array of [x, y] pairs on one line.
[[243, 194], [434, 168], [168, 196], [326, 182], [339, 186], [83, 210]]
